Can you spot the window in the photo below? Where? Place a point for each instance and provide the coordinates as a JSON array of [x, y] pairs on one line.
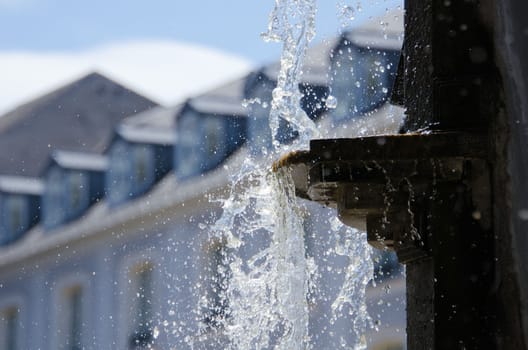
[[141, 312], [188, 157], [53, 198], [259, 131], [71, 319], [143, 168], [215, 309], [214, 146], [386, 264], [361, 80], [15, 216], [9, 329], [118, 175], [77, 194]]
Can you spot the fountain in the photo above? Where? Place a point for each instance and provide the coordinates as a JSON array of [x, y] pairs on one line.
[[434, 194], [270, 276]]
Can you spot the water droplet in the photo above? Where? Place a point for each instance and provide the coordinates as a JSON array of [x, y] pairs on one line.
[[331, 102], [381, 141], [348, 13], [523, 214]]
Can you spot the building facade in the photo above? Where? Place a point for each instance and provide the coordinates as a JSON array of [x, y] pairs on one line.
[[111, 249]]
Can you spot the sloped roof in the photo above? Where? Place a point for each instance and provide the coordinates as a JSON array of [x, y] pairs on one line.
[[80, 160], [233, 89], [77, 117], [157, 117], [21, 185], [147, 135], [381, 32], [226, 99], [391, 21], [218, 105]]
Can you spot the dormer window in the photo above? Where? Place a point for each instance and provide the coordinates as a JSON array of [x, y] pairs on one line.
[[139, 157], [53, 206], [361, 79], [77, 197], [74, 181], [20, 199], [259, 90], [209, 128], [66, 196], [188, 154], [214, 144], [15, 216], [143, 166], [118, 184], [259, 130]]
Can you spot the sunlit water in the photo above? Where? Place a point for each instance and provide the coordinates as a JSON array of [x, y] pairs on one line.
[[270, 280]]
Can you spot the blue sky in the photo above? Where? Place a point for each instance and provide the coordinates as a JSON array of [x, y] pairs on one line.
[[166, 49], [230, 25]]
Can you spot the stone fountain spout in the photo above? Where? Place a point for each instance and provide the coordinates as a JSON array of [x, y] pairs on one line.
[[440, 194]]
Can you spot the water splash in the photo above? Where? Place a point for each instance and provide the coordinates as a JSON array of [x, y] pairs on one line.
[[351, 297], [270, 276], [291, 22], [269, 273]]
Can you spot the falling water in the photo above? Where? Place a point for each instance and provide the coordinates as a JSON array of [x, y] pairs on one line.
[[270, 275]]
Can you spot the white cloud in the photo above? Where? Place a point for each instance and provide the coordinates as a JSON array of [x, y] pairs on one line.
[[165, 71]]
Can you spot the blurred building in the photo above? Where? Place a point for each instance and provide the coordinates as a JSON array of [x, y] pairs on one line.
[[105, 203]]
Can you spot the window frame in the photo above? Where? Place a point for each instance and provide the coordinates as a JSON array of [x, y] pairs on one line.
[[53, 203], [188, 156], [10, 232], [351, 64], [84, 188], [64, 286], [141, 153], [258, 130], [214, 140], [16, 302], [127, 266], [212, 252], [117, 177]]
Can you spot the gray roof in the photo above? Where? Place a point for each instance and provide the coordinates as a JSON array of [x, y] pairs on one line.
[[157, 117], [79, 117], [147, 135], [233, 89], [318, 55], [315, 67], [312, 75], [21, 185], [218, 105], [381, 32], [223, 100], [80, 160], [391, 21]]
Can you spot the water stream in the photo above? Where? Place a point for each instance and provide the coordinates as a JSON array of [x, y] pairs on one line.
[[272, 280]]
